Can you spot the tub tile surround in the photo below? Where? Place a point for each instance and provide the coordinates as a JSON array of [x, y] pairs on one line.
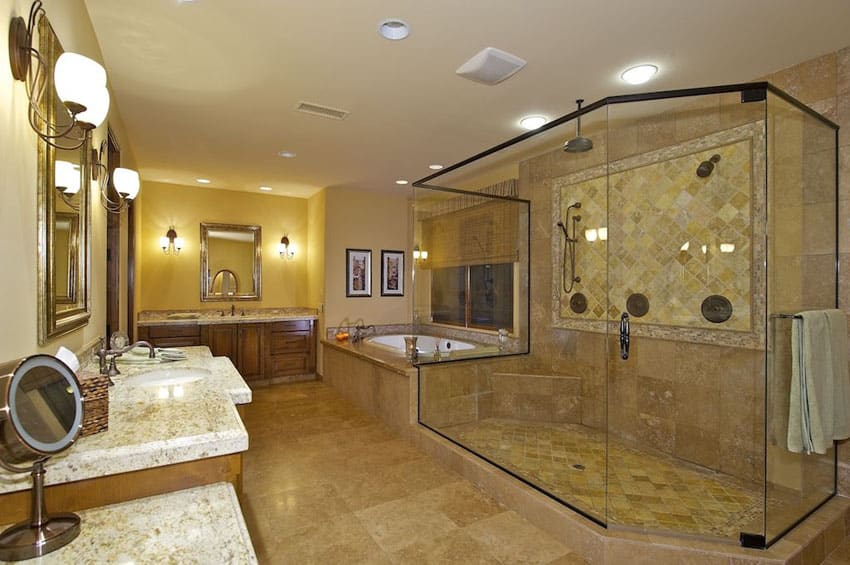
[[483, 337], [198, 525]]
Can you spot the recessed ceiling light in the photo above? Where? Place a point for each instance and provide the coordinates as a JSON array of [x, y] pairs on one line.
[[401, 181], [203, 181], [287, 154], [533, 122], [435, 167], [393, 29], [639, 74], [266, 188]]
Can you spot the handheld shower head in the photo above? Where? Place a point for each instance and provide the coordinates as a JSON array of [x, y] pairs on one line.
[[578, 144]]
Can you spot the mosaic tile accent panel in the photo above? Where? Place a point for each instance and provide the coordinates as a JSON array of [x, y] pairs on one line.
[[652, 226], [645, 489]]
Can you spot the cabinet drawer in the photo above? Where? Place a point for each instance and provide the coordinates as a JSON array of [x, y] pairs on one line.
[[186, 341], [175, 330], [290, 342], [290, 364], [291, 325]]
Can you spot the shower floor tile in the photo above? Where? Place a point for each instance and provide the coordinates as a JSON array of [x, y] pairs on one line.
[[645, 490]]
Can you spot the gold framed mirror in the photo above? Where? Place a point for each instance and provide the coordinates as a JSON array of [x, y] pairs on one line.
[[64, 221], [231, 262]]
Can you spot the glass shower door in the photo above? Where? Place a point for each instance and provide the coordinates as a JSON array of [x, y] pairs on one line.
[[685, 350]]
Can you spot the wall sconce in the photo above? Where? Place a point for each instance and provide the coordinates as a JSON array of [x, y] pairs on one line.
[[170, 243], [80, 84], [125, 181], [419, 254], [285, 248]]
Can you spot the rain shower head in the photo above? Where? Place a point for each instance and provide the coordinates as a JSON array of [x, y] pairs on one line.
[[578, 144], [706, 167]]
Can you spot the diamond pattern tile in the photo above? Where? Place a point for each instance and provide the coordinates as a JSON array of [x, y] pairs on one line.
[[645, 490]]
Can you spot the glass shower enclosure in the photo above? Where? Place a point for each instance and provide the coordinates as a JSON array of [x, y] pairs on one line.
[[641, 286]]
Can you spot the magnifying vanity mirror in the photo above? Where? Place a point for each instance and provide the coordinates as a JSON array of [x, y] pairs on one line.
[[41, 415], [64, 224], [231, 266]]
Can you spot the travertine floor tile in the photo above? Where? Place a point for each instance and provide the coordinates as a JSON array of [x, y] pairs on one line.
[[454, 548], [513, 540], [399, 523], [323, 483]]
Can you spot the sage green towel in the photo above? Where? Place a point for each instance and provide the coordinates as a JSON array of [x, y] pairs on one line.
[[819, 408]]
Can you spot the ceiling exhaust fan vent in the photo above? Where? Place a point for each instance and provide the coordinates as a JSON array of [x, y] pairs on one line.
[[319, 110]]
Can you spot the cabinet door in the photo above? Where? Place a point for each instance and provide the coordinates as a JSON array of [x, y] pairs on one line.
[[221, 339], [250, 351]]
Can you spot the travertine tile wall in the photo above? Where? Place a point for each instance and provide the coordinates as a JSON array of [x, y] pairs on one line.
[[824, 84], [693, 401]]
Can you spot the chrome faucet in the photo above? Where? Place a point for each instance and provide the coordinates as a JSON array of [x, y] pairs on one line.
[[112, 370], [360, 331]]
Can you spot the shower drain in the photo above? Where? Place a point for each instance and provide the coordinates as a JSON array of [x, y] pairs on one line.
[[577, 466]]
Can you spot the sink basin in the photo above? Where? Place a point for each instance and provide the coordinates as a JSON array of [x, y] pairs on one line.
[[184, 316], [167, 377]]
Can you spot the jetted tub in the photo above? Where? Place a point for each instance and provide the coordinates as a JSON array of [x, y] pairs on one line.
[[425, 344]]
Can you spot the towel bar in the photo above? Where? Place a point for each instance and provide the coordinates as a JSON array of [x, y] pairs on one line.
[[795, 316]]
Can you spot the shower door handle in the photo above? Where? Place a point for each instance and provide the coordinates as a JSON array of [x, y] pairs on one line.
[[624, 336]]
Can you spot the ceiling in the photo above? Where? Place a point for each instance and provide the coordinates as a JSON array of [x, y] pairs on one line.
[[208, 88]]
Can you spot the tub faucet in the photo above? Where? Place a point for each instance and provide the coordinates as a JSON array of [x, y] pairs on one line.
[[360, 331], [112, 370]]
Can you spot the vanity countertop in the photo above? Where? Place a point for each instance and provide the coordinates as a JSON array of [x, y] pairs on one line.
[[152, 426], [197, 525], [223, 374], [209, 317]]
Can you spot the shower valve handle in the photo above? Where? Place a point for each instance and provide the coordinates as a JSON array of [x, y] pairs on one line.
[[624, 336]]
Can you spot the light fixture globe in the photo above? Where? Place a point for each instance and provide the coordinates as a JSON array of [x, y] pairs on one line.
[[80, 83], [126, 182], [96, 109], [67, 177]]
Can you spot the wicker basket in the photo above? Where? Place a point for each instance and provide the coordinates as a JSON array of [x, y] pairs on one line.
[[95, 388]]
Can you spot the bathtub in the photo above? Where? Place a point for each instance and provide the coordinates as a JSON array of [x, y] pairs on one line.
[[425, 344]]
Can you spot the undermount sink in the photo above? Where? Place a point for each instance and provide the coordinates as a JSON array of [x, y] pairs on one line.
[[168, 377], [184, 316]]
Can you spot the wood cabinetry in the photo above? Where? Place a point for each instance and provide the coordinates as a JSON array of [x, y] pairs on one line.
[[250, 351], [262, 352], [171, 335], [290, 349], [221, 339]]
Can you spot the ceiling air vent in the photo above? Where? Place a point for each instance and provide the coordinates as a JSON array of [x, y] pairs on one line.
[[324, 111], [490, 66]]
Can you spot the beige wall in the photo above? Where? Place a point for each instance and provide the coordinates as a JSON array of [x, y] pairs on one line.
[[173, 282], [18, 196], [316, 261], [365, 220]]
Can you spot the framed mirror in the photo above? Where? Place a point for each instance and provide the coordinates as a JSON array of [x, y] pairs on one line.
[[231, 267], [64, 223]]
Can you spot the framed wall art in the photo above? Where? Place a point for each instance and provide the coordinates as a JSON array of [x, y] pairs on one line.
[[392, 273], [358, 272]]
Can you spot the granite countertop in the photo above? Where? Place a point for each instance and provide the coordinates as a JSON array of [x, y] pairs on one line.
[[197, 525], [209, 317], [223, 374], [152, 426]]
